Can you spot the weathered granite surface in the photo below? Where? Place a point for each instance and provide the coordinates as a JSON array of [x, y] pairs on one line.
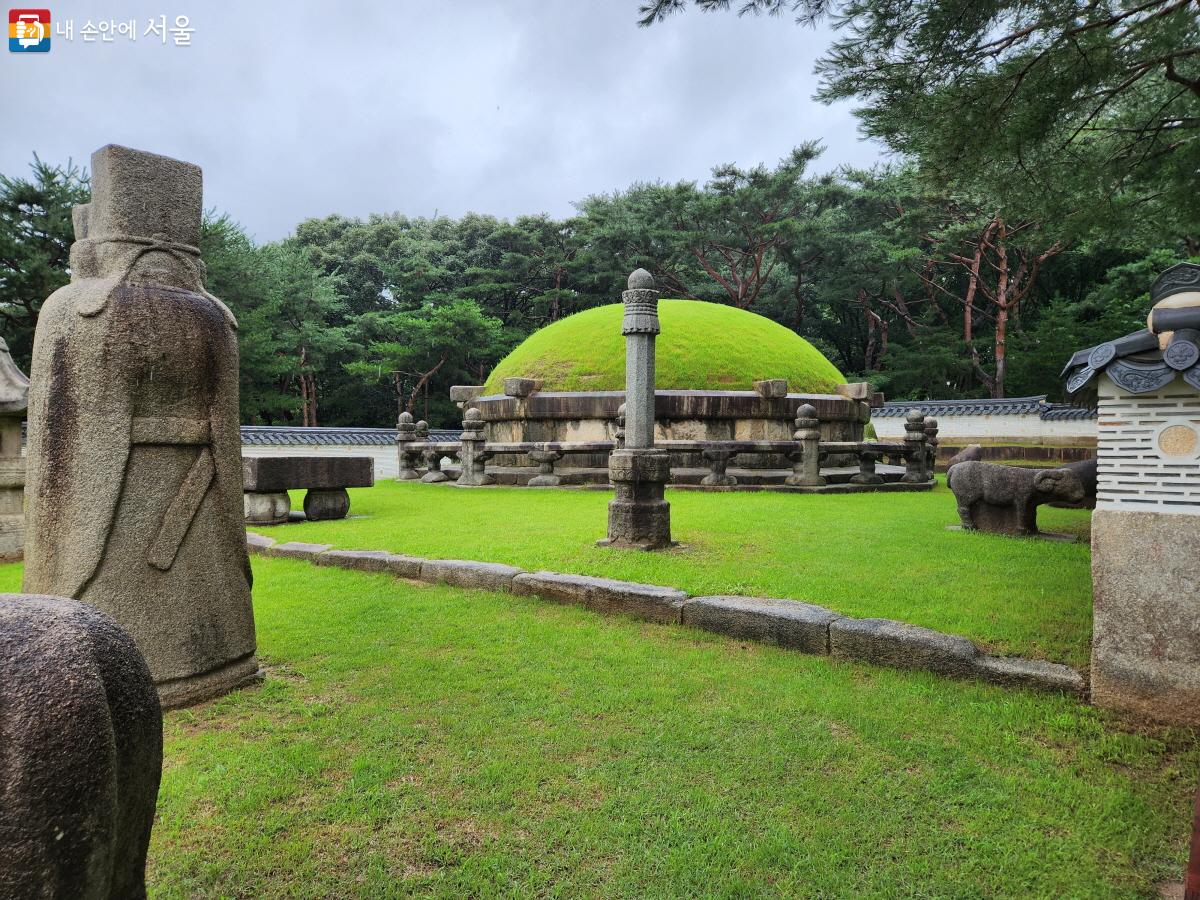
[[468, 574], [521, 387], [607, 596], [322, 504], [80, 752], [256, 543], [785, 623], [1146, 614], [1030, 673], [296, 549], [1004, 499], [135, 483], [771, 387], [266, 508], [898, 644], [371, 561], [639, 516], [282, 473]]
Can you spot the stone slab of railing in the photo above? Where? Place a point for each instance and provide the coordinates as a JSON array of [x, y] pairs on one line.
[[718, 456], [785, 623]]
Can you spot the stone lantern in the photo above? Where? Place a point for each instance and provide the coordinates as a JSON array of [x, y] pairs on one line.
[[14, 395], [1146, 527]]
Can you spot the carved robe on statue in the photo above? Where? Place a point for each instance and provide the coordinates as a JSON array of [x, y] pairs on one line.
[[134, 495]]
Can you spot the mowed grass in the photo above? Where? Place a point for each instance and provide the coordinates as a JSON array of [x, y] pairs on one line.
[[865, 555], [417, 739]]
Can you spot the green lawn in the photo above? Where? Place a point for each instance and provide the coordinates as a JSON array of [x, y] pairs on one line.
[[420, 739], [886, 555]]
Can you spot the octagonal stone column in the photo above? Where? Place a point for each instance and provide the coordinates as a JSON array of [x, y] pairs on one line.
[[638, 516]]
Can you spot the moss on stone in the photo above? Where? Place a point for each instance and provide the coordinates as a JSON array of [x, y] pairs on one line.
[[703, 346]]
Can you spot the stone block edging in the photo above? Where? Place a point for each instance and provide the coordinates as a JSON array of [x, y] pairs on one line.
[[790, 624]]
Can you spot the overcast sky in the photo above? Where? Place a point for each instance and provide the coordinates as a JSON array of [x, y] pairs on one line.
[[298, 109]]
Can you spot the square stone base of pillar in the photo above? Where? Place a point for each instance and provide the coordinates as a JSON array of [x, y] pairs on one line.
[[1146, 610], [638, 517]]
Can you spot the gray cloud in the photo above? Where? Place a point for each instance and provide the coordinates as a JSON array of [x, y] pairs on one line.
[[299, 109]]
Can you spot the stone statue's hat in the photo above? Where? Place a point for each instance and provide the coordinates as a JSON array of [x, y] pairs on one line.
[[140, 194], [1181, 278]]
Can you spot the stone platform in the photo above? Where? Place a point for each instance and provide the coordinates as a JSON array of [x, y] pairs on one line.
[[838, 479], [267, 480]]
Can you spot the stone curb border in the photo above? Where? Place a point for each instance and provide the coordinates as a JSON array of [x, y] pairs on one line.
[[784, 623]]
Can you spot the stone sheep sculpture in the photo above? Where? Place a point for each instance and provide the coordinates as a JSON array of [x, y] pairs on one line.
[[1004, 499], [80, 752], [969, 453]]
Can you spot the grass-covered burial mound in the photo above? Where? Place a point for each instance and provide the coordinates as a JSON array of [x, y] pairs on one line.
[[703, 346]]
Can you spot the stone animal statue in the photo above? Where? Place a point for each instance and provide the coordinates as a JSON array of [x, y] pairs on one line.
[[1004, 499], [80, 752], [969, 453], [1086, 470]]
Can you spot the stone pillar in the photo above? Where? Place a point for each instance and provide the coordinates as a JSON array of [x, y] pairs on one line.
[[914, 448], [638, 516], [322, 504], [433, 467], [718, 463], [407, 448], [135, 457], [472, 453], [806, 470], [866, 473], [266, 507], [14, 393], [545, 460], [931, 444]]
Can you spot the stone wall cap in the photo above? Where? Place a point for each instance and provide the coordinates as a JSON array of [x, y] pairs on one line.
[[521, 387], [791, 609]]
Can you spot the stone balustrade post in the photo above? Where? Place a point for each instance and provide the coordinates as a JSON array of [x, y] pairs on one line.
[[916, 454], [931, 444], [619, 433], [718, 462], [407, 448], [806, 464], [866, 473], [472, 451], [639, 516], [545, 459], [433, 467]]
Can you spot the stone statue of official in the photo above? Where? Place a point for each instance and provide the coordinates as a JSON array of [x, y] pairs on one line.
[[134, 491]]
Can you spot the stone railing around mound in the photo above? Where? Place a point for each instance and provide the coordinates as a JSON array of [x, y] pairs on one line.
[[816, 465]]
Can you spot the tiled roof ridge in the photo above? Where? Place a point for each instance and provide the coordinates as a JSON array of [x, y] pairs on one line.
[[987, 406], [295, 435]]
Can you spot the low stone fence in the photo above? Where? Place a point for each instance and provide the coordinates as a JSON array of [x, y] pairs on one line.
[[790, 624], [423, 459]]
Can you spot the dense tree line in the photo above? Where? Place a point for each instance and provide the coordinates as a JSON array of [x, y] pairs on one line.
[[1047, 153], [924, 293]]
